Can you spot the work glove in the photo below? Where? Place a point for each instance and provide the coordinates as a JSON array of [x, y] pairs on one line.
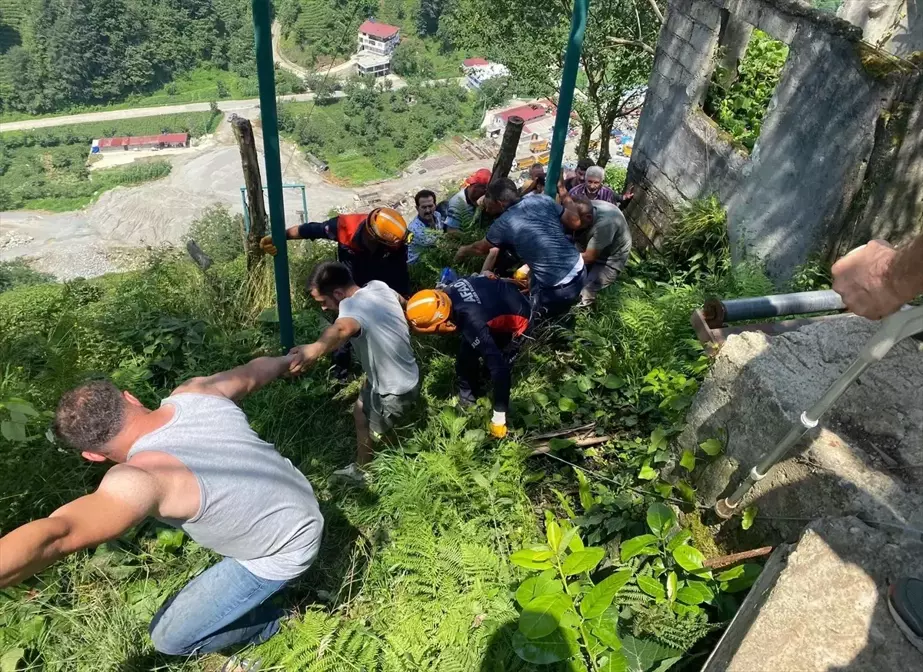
[[498, 425], [267, 246]]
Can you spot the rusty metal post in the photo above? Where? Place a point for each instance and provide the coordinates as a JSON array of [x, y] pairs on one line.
[[256, 210], [507, 154]]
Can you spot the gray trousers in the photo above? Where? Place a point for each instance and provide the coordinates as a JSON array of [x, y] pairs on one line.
[[599, 276]]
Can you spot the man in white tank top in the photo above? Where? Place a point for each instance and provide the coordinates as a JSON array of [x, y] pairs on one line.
[[196, 464]]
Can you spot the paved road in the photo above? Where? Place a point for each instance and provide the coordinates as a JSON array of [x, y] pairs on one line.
[[114, 115]]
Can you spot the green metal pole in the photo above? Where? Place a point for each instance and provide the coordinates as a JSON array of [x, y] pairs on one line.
[[265, 70], [566, 96]]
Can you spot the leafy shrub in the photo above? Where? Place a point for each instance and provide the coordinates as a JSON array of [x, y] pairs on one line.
[[740, 108], [219, 233], [17, 273]]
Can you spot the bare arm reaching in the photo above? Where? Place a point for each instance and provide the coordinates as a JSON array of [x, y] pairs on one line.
[[304, 356], [478, 248], [241, 381], [125, 497]]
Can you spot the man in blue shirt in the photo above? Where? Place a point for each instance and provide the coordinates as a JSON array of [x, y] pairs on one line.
[[532, 227], [426, 226]]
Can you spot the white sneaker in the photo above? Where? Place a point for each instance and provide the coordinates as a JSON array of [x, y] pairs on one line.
[[352, 474]]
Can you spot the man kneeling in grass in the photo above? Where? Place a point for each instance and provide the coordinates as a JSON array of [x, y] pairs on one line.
[[196, 464], [372, 318]]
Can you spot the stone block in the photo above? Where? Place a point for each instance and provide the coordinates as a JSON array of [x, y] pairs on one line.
[[704, 38], [776, 25], [706, 13], [749, 11], [680, 25], [864, 457], [821, 605]]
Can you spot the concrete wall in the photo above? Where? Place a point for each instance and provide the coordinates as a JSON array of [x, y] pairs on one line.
[[789, 197], [894, 25]]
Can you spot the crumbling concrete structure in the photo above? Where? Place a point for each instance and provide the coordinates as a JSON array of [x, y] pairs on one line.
[[840, 156]]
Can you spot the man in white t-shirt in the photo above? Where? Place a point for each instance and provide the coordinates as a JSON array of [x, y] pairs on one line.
[[372, 318]]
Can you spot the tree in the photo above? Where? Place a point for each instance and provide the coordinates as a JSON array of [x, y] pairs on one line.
[[617, 53]]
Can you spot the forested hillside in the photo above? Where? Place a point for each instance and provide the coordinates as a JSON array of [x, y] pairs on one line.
[[57, 54]]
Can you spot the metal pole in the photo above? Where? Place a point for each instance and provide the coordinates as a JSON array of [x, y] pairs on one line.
[[566, 97], [304, 205], [265, 70]]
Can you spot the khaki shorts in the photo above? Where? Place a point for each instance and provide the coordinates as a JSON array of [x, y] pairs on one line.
[[384, 410]]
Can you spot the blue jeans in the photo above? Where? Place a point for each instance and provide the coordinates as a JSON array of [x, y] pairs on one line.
[[551, 302], [222, 606]]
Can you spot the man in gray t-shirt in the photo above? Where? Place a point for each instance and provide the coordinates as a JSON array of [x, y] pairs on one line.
[[604, 241], [372, 318], [195, 463]]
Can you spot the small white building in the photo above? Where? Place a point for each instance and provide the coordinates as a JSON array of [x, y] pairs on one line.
[[478, 70], [368, 63], [378, 38]]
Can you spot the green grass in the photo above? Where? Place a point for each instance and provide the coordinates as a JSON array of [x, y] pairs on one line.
[[414, 573], [358, 150], [47, 169]]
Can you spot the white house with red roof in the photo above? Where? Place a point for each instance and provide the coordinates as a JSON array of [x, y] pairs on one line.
[[378, 38], [478, 70], [534, 112]]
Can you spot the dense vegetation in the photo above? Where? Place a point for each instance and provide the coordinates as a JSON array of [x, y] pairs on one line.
[[373, 133], [48, 169], [426, 568], [740, 106], [63, 53]]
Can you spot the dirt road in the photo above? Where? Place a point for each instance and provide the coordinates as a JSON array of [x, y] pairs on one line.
[[74, 244]]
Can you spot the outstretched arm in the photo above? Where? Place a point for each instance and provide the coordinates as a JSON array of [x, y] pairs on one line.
[[876, 280], [304, 356], [241, 381], [479, 248], [125, 497], [308, 231]]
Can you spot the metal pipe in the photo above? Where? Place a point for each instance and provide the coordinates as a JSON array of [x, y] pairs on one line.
[[718, 312], [265, 70], [894, 329], [566, 95], [508, 146]]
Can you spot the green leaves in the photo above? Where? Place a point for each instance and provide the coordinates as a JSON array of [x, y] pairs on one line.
[[600, 596], [652, 587], [739, 578], [567, 405], [582, 561], [661, 519], [643, 544], [658, 439], [647, 472], [695, 592], [687, 461], [556, 646], [749, 515], [711, 447], [530, 559], [689, 558], [612, 382], [536, 586], [542, 615], [9, 661], [642, 654]]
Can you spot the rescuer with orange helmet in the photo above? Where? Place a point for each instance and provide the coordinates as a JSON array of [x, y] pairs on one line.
[[490, 314], [373, 245]]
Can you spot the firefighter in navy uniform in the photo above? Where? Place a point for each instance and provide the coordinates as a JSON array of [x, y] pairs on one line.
[[373, 245], [490, 314]]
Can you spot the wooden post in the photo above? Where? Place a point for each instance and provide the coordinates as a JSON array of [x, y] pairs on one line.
[[507, 153], [243, 131]]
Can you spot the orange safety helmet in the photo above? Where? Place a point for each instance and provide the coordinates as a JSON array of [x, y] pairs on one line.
[[428, 312], [388, 227]]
